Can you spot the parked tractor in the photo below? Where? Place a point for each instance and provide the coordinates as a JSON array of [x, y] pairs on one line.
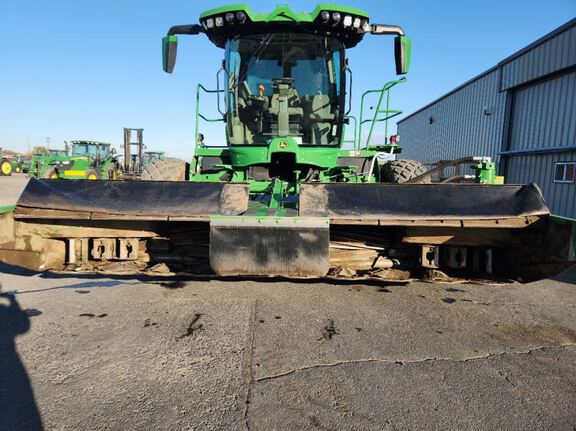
[[20, 163], [41, 162], [89, 160], [5, 164], [285, 197]]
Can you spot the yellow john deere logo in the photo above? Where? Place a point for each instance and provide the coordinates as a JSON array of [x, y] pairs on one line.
[[283, 145]]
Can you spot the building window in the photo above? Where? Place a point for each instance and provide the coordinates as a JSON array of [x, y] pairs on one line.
[[564, 172]]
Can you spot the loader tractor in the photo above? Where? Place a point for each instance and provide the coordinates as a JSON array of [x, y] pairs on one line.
[[89, 160], [291, 194], [41, 162]]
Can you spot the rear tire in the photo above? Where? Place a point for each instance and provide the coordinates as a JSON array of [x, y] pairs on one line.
[[5, 168], [169, 169], [91, 174], [400, 171], [51, 174]]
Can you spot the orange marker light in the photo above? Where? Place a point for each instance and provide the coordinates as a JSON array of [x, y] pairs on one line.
[[261, 90]]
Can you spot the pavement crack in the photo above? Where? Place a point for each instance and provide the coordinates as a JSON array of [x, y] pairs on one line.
[[247, 366], [408, 362]]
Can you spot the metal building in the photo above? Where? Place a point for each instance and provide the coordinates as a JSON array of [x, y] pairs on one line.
[[522, 113]]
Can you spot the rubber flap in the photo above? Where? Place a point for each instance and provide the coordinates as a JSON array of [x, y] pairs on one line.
[[420, 201], [288, 246], [139, 198]]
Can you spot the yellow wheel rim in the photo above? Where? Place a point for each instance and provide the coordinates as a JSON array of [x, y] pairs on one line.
[[17, 170], [92, 177], [6, 168], [53, 176]]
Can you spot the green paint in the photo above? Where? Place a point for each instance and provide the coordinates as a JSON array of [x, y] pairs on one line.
[[7, 209], [486, 172], [86, 155], [282, 134]]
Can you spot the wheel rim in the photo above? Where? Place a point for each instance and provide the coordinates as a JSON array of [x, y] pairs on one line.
[[6, 168], [53, 176], [17, 169], [92, 177]]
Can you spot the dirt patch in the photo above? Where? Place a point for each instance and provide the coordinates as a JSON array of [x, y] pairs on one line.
[[538, 333], [329, 330], [173, 284], [32, 312], [148, 323], [193, 327], [454, 289]]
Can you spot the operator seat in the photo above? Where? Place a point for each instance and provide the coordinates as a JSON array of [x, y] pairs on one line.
[[319, 119]]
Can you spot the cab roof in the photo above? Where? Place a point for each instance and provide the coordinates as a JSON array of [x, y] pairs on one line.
[[344, 22]]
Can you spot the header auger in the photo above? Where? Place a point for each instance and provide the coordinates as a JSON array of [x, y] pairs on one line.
[[289, 195]]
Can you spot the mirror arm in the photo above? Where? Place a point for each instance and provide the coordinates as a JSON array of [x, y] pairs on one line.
[[379, 29], [186, 29]]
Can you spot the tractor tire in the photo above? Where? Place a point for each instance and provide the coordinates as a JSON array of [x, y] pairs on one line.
[[400, 171], [5, 168], [91, 174], [169, 169], [51, 174]]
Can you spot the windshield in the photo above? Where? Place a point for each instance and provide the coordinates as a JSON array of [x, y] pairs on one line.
[[57, 152], [285, 84], [91, 150]]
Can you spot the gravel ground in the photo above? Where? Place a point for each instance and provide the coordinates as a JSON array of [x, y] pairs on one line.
[[84, 353]]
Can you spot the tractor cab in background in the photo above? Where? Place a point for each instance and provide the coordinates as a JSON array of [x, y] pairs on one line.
[[152, 156]]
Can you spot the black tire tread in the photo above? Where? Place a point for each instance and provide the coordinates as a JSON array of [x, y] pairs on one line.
[[400, 171], [169, 169]]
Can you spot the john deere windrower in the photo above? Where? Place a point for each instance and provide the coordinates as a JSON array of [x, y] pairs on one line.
[[289, 195]]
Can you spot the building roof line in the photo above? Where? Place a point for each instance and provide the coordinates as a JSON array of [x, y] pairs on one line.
[[536, 43]]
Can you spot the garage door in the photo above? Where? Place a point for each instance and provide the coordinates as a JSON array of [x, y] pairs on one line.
[[543, 133]]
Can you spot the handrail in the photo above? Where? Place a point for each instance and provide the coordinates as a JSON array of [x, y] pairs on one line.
[[389, 113], [199, 115], [354, 141]]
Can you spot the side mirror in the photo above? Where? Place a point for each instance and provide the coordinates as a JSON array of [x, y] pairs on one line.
[[169, 48], [402, 49], [113, 151]]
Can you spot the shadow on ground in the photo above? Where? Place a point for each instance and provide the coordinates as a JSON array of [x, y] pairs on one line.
[[568, 276], [166, 279], [18, 409]]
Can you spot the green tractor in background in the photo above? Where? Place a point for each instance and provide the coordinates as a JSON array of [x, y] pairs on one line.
[[41, 162], [89, 160], [286, 197], [20, 163], [5, 164]]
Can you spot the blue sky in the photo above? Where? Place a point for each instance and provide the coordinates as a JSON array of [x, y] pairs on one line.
[[84, 70]]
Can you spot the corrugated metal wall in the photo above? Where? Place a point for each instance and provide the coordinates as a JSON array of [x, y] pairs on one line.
[[544, 114], [459, 126], [538, 88], [539, 168], [549, 57]]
